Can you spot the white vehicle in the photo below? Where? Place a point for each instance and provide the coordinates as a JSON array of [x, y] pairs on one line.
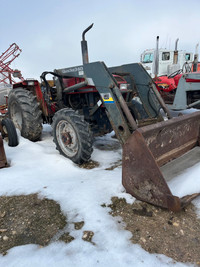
[[168, 61]]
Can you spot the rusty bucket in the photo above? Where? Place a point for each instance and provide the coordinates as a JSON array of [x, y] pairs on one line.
[[152, 146]]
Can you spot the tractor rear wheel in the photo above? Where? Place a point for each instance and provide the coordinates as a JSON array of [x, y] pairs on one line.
[[72, 135], [137, 110], [9, 132], [25, 113]]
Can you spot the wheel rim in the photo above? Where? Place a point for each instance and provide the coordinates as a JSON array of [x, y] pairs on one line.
[[16, 116], [67, 138]]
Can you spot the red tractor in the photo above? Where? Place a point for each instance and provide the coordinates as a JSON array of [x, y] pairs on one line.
[[69, 94], [178, 89], [169, 85]]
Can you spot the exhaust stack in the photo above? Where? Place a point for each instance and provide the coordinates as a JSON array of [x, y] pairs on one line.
[[175, 61], [84, 45], [196, 57], [156, 55]]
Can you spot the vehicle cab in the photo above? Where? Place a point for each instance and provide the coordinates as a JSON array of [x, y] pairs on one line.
[[166, 61]]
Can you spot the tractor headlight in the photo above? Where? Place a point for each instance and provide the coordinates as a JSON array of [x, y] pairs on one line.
[[31, 83], [123, 86]]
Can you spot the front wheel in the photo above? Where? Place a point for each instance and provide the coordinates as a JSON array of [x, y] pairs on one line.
[[72, 135], [9, 132]]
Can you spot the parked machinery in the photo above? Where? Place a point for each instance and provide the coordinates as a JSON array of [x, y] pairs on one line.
[[180, 89], [92, 99]]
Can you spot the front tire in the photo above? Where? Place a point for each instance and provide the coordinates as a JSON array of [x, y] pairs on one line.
[[25, 113], [9, 132], [72, 135]]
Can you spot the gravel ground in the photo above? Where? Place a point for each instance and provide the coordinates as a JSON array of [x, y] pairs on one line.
[[176, 235], [28, 219]]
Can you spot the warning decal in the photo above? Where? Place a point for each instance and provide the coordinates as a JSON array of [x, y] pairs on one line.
[[107, 98]]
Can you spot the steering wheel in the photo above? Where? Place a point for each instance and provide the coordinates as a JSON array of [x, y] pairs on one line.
[[172, 75]]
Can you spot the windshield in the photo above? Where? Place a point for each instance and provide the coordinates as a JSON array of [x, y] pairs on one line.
[[148, 58], [187, 57]]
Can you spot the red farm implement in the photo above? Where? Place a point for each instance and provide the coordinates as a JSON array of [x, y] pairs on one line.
[[6, 59], [7, 74]]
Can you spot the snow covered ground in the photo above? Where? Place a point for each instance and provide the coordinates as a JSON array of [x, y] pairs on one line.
[[38, 168]]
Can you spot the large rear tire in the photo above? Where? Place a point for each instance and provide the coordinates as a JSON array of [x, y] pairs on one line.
[[25, 113], [137, 110], [72, 135], [9, 132]]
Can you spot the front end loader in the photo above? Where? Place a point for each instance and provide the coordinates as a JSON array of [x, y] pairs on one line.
[[147, 148], [86, 100]]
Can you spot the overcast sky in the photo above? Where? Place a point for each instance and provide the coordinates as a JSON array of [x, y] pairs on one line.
[[49, 31]]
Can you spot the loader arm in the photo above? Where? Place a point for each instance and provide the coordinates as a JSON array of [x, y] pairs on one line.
[[98, 75]]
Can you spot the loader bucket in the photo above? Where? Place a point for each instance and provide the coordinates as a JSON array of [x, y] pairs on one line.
[[3, 160], [152, 146]]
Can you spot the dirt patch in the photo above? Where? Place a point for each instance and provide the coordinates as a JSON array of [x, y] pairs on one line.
[[66, 237], [91, 164], [114, 165], [27, 219], [176, 235]]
